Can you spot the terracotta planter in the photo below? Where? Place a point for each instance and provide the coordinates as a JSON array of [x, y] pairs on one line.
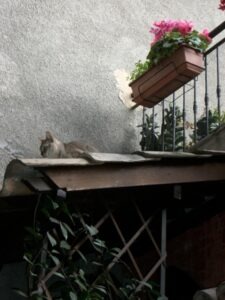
[[168, 76]]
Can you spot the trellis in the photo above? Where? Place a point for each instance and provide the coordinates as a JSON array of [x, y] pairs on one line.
[[110, 215]]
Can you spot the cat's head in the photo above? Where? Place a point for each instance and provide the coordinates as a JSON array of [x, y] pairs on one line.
[[51, 147], [46, 144]]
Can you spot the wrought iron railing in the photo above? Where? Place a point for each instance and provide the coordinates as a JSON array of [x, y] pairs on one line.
[[193, 111]]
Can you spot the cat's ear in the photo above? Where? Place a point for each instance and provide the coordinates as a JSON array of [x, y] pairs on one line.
[[49, 136]]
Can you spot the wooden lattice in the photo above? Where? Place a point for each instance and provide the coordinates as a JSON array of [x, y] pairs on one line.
[[110, 216]]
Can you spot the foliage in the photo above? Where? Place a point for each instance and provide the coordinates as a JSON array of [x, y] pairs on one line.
[[152, 140], [59, 270], [140, 68], [168, 36], [167, 129], [149, 136], [214, 121]]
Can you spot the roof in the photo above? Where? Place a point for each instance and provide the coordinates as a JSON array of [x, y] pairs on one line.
[[108, 170]]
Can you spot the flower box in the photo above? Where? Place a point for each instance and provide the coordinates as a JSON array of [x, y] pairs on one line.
[[167, 76]]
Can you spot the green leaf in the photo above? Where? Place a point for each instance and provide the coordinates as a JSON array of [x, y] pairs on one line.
[[92, 230], [54, 205], [19, 292], [81, 273], [51, 239], [99, 243], [65, 245], [55, 259], [167, 45], [33, 274], [55, 251], [82, 256], [115, 251], [60, 275], [53, 220], [101, 288], [80, 284], [69, 229], [64, 230], [73, 296], [96, 263], [27, 259]]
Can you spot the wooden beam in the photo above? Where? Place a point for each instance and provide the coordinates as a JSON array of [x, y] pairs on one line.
[[121, 175]]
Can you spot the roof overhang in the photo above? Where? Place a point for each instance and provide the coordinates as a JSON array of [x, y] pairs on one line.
[[105, 170]]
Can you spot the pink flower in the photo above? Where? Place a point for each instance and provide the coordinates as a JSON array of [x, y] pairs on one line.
[[159, 29], [205, 34], [184, 27]]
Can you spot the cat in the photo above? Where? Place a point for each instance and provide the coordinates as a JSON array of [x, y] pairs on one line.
[[51, 147]]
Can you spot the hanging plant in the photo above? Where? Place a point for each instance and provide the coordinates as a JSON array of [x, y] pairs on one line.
[[175, 58], [168, 36]]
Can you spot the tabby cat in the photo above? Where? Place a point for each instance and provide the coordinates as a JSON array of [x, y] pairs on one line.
[[51, 147]]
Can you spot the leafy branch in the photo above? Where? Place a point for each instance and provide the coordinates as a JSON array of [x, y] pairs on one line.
[[57, 267]]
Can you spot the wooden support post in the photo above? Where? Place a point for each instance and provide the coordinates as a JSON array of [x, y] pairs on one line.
[[163, 253]]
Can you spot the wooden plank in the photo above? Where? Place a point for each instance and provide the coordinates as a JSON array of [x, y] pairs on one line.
[[23, 179], [121, 175], [170, 154], [45, 162], [90, 159], [141, 172]]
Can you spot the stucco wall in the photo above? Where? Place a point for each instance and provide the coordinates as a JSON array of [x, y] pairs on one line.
[[57, 63]]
